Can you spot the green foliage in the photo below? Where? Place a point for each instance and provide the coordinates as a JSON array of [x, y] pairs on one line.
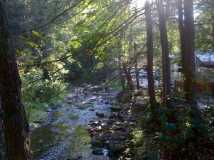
[[40, 94], [138, 136], [42, 91], [35, 112], [80, 142], [114, 84], [87, 43], [208, 116], [176, 130], [204, 25]]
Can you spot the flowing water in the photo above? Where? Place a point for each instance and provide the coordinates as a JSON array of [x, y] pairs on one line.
[[64, 135]]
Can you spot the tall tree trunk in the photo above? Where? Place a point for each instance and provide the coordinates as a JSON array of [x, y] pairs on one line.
[[16, 128], [165, 51], [2, 151], [151, 89], [189, 62], [120, 61], [122, 79], [181, 31], [127, 72], [136, 67]]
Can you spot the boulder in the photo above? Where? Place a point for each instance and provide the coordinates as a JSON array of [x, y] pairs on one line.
[[116, 147], [98, 151], [115, 108], [97, 142], [100, 115]]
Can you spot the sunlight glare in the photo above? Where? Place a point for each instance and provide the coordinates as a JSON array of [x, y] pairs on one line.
[[139, 3]]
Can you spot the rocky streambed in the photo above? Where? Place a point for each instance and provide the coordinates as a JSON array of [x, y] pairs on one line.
[[86, 126]]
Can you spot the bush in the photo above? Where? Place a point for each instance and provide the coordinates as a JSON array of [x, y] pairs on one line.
[[178, 131], [40, 94]]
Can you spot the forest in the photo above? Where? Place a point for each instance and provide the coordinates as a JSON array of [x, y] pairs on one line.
[[106, 79]]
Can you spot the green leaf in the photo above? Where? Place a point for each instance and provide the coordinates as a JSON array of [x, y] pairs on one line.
[[36, 34]]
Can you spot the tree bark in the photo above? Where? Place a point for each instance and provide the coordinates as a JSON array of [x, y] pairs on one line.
[[122, 79], [189, 61], [165, 52], [127, 72], [181, 31], [149, 29], [120, 62], [136, 68], [16, 129]]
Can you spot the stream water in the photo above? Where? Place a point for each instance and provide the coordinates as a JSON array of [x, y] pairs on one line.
[[64, 135]]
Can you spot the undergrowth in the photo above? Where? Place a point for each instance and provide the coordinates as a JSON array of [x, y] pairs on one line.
[[177, 132]]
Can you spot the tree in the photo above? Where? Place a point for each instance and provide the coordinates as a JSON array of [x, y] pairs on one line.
[[204, 30], [136, 67], [122, 78], [189, 60], [181, 31], [16, 129], [165, 51], [150, 53]]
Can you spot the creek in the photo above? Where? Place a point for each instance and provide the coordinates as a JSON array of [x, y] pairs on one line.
[[63, 135]]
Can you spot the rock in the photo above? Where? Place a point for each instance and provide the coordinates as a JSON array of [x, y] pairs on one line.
[[96, 88], [116, 147], [85, 105], [110, 135], [34, 126], [140, 105], [69, 102], [76, 158], [49, 110], [94, 123], [138, 108], [38, 122], [102, 101], [110, 121], [120, 128], [91, 131], [115, 108], [97, 141], [100, 115], [115, 116], [56, 106], [98, 151], [91, 109], [124, 97], [107, 102]]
